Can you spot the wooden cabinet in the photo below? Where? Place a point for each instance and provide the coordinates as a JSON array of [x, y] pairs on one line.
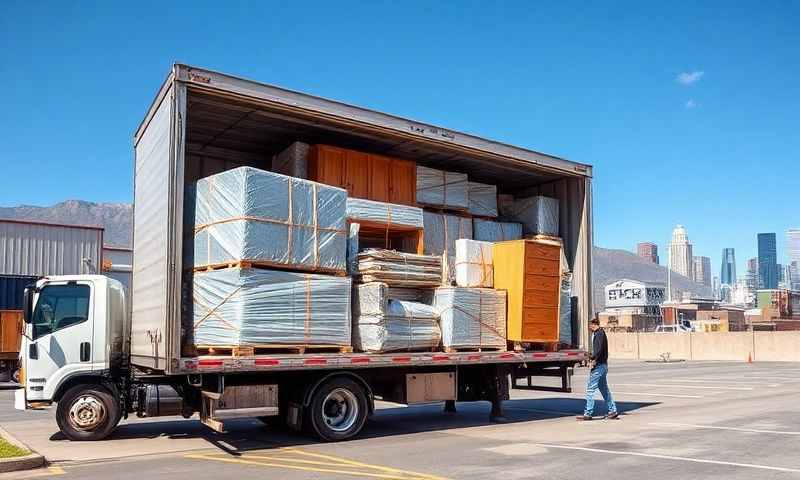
[[364, 175], [530, 271]]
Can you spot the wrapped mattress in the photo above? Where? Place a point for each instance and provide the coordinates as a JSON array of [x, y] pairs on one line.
[[491, 231], [384, 324], [247, 306], [246, 214], [384, 214], [474, 267], [482, 199], [471, 317], [438, 188], [441, 232], [538, 215]]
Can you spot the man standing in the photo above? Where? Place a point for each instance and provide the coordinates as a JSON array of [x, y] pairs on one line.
[[598, 362]]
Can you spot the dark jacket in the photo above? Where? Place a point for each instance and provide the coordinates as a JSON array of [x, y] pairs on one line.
[[599, 347]]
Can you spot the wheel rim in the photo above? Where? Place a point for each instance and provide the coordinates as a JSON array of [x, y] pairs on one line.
[[87, 413], [340, 410]]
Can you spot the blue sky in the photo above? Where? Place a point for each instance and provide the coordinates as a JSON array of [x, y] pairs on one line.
[[715, 149]]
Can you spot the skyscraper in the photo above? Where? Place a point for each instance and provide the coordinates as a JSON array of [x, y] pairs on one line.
[[793, 245], [648, 251], [680, 250], [702, 270], [727, 274], [767, 260], [752, 274]]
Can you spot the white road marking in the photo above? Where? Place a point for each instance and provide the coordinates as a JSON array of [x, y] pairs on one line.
[[714, 427], [671, 457], [720, 387], [614, 392], [733, 382]]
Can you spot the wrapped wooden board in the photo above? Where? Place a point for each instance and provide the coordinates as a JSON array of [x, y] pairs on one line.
[[438, 188], [235, 307], [471, 317], [292, 161], [538, 215], [251, 215], [482, 199], [390, 215], [441, 232], [491, 231], [473, 265], [399, 269]]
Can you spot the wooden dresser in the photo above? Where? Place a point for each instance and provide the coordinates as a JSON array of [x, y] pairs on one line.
[[530, 271]]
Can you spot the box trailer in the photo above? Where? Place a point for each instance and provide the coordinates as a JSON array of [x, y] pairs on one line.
[[201, 123]]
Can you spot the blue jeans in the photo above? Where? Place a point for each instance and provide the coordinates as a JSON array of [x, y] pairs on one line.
[[598, 379]]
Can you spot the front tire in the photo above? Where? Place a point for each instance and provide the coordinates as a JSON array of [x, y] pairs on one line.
[[88, 412], [338, 410]]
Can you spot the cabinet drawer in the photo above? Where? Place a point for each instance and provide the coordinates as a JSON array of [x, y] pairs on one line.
[[542, 251], [540, 298], [540, 324], [542, 267], [541, 282]]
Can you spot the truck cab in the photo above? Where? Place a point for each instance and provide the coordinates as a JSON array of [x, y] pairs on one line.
[[74, 335]]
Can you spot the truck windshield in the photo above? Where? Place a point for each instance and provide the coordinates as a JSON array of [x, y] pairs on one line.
[[60, 306]]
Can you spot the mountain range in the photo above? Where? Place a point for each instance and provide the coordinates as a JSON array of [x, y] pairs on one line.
[[609, 265]]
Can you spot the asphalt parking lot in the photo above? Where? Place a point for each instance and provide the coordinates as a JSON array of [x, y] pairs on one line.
[[691, 419]]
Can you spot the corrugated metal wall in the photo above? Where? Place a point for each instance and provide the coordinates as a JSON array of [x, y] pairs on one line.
[[41, 249], [11, 290]]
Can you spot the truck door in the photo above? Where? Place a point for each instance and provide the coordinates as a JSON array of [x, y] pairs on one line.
[[60, 337]]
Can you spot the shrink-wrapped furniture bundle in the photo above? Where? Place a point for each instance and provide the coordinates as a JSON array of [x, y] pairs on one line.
[[384, 324], [352, 248], [247, 306], [399, 269], [390, 215], [473, 264], [538, 215], [246, 214], [471, 317], [482, 199], [491, 231], [565, 309], [438, 188], [293, 161], [441, 232]]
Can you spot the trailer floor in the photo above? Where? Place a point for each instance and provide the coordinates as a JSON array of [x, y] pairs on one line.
[[692, 419]]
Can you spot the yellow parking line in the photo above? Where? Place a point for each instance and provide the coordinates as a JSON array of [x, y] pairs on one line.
[[278, 459]]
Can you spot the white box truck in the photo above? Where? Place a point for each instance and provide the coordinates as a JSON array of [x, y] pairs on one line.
[[101, 353]]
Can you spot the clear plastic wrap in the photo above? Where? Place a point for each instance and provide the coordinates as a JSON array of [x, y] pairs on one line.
[[442, 189], [471, 317], [246, 214], [293, 161], [482, 199], [248, 306], [388, 214], [538, 215], [565, 310], [352, 248], [441, 232], [384, 324], [491, 231], [474, 267]]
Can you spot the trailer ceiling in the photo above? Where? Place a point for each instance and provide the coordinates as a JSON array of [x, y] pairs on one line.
[[237, 129]]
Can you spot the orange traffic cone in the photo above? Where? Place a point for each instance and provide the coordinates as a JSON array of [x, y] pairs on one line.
[[749, 358]]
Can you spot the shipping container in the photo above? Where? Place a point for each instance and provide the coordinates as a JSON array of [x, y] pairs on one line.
[[202, 122], [40, 248], [11, 290], [118, 264]]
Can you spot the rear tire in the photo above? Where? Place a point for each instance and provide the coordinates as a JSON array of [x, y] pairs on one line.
[[88, 412], [338, 410]]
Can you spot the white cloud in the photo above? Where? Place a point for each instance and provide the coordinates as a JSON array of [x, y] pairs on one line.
[[688, 78], [690, 104]]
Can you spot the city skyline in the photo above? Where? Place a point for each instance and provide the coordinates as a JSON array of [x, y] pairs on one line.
[[680, 253]]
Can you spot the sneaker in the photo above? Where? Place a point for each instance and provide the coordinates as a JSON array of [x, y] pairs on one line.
[[612, 416], [583, 418]]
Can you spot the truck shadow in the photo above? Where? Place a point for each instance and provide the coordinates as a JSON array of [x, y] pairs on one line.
[[389, 420]]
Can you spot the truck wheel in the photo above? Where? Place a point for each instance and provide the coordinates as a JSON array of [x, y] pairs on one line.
[[87, 412], [338, 410]]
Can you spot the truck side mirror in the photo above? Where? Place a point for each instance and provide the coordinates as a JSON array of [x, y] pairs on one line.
[[27, 312]]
